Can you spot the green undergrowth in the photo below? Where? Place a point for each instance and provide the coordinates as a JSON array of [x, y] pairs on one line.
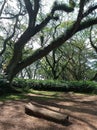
[[10, 96], [32, 94], [89, 87], [46, 88]]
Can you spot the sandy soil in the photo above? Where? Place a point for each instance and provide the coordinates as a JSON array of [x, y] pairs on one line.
[[82, 110]]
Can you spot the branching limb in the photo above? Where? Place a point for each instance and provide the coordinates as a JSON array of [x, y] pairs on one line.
[[16, 65], [13, 16], [28, 5], [87, 23], [9, 38], [32, 11], [90, 10], [91, 42], [1, 10], [79, 17], [36, 9], [54, 44]]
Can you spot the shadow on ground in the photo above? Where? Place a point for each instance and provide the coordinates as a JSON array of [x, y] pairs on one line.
[[82, 110]]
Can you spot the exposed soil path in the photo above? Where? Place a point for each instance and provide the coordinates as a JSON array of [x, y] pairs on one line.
[[82, 110]]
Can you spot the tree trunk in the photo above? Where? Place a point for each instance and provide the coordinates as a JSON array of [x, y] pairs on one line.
[[34, 109]]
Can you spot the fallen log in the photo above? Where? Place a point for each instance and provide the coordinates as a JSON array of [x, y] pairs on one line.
[[45, 113]]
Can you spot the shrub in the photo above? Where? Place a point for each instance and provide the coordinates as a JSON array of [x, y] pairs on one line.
[[51, 85]]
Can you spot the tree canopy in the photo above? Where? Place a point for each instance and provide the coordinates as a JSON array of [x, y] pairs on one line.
[[22, 23]]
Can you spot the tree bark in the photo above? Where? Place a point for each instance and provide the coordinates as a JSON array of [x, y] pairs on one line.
[[40, 111]]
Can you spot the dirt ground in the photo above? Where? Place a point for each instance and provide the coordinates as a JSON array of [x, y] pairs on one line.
[[81, 108]]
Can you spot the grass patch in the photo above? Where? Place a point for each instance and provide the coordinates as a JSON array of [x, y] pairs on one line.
[[38, 95], [12, 97], [45, 93]]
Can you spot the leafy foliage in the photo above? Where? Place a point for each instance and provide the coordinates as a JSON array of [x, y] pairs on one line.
[[51, 85]]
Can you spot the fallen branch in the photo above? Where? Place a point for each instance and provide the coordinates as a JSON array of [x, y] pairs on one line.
[[43, 112]]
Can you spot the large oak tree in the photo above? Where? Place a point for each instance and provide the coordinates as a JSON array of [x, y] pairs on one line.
[[27, 12]]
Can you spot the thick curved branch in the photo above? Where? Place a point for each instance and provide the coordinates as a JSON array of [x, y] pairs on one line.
[[54, 44], [16, 64], [87, 24], [90, 10], [30, 31]]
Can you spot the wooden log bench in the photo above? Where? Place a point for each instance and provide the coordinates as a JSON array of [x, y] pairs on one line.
[[40, 111]]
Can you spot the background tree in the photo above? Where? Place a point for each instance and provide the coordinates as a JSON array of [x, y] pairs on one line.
[[71, 61], [93, 41]]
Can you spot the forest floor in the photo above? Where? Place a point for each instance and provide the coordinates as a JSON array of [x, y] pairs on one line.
[[81, 108]]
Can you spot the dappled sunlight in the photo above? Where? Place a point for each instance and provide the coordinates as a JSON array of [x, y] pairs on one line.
[[80, 108]]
